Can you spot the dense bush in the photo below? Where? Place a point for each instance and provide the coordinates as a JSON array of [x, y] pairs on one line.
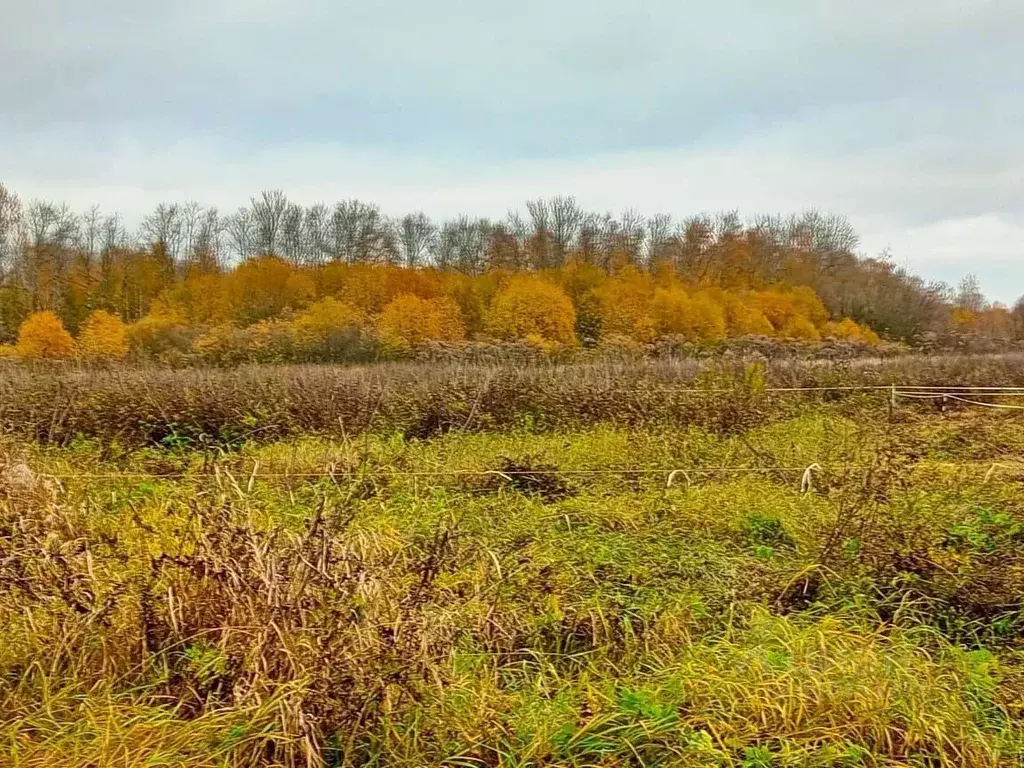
[[409, 322], [102, 337], [43, 337], [529, 307]]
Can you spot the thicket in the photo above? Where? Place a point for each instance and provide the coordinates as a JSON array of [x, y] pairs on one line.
[[219, 408], [279, 282], [318, 603]]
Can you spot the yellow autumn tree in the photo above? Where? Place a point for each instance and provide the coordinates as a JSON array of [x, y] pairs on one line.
[[580, 280], [43, 337], [163, 331], [695, 317], [409, 321], [962, 320], [848, 330], [776, 306], [271, 341], [325, 316], [743, 317], [103, 337], [799, 327], [201, 298], [473, 295], [530, 306], [328, 329], [624, 305], [263, 287], [223, 345], [370, 287], [807, 304]]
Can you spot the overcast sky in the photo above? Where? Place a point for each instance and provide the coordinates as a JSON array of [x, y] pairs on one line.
[[906, 116]]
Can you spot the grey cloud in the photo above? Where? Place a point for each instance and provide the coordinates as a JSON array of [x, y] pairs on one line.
[[905, 115], [530, 78]]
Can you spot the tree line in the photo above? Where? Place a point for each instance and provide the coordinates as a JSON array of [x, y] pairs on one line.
[[242, 264]]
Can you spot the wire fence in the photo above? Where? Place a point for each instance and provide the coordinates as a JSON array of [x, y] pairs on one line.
[[671, 473]]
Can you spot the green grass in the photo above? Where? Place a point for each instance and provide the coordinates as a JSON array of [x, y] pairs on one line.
[[486, 599]]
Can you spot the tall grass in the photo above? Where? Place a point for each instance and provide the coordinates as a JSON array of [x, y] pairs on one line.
[[219, 617], [154, 406]]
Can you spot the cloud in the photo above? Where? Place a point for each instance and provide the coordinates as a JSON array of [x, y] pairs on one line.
[[902, 116], [990, 246]]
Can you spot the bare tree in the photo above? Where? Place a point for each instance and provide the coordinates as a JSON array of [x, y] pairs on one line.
[[728, 224], [241, 230], [462, 245], [268, 219], [51, 231], [590, 238], [207, 234], [315, 228], [540, 214], [416, 236], [516, 227], [659, 237], [566, 219], [90, 233], [359, 232], [201, 230], [609, 240], [504, 249], [10, 228], [629, 236], [769, 238], [49, 224], [540, 240], [696, 240], [113, 234], [292, 238], [828, 233], [969, 295], [556, 226], [163, 230]]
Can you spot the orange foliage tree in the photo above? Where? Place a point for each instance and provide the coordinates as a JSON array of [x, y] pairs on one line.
[[265, 286], [744, 318], [624, 305], [328, 329], [531, 307], [799, 327], [409, 321], [103, 336], [789, 308], [268, 308], [43, 337], [847, 330], [162, 332], [694, 317]]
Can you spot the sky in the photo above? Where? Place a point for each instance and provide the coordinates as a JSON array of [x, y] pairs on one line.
[[905, 116]]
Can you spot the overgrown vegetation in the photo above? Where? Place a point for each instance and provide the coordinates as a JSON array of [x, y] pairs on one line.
[[215, 409], [277, 282], [614, 493], [570, 567]]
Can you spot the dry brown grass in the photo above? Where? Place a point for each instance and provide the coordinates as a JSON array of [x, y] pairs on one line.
[[218, 407], [189, 612]]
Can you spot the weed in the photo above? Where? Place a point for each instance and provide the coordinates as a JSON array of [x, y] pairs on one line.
[[460, 574]]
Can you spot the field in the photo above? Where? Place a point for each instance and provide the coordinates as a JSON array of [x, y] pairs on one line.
[[615, 564]]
